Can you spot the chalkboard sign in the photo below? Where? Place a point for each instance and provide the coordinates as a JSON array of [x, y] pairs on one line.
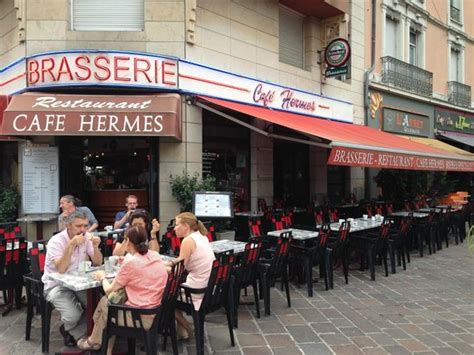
[[40, 179], [213, 204]]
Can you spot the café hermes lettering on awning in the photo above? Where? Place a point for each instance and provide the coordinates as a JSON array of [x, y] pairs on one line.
[[139, 70], [71, 115]]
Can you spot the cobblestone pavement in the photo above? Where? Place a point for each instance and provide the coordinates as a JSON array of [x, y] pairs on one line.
[[428, 309]]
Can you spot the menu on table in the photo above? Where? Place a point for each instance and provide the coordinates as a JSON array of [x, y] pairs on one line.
[[40, 179]]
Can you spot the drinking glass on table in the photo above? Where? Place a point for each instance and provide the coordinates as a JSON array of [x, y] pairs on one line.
[[108, 265]]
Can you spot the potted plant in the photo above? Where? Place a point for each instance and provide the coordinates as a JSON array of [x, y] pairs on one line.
[[183, 186], [9, 201]]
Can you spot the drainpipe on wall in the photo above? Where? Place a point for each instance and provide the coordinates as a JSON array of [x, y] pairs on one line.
[[366, 88]]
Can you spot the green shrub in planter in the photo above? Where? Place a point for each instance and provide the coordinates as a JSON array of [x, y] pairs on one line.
[[183, 186], [9, 201]]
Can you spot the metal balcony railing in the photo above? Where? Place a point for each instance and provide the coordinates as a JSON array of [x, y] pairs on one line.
[[455, 14], [459, 94], [407, 77]]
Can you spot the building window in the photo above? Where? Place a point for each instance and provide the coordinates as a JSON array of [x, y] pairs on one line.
[[391, 42], [291, 38], [413, 50], [455, 73], [226, 156], [455, 10], [107, 15]]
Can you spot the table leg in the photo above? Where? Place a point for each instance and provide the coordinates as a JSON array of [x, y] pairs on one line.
[[39, 230], [92, 301]]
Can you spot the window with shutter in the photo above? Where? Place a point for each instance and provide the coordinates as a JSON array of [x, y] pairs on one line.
[[454, 72], [291, 38], [413, 52], [391, 37], [107, 15]]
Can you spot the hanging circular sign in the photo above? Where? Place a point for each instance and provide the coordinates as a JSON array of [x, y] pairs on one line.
[[337, 53]]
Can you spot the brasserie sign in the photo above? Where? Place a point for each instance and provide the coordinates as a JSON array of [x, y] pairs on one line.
[[392, 160]]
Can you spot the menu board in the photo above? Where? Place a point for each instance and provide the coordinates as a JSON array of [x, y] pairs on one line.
[[208, 159], [40, 179], [212, 204]]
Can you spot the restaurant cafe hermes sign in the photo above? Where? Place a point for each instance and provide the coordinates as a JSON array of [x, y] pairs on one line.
[[99, 115]]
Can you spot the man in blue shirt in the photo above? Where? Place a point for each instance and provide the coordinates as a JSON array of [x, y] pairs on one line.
[[122, 218]]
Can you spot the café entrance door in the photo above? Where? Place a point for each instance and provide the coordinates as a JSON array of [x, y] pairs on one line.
[[103, 171]]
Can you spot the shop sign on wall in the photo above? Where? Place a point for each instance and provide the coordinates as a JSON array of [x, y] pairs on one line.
[[336, 55], [454, 121], [392, 160], [69, 115], [40, 179], [407, 123], [205, 81], [90, 68], [104, 68]]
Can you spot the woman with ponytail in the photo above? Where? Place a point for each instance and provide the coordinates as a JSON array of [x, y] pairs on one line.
[[198, 257], [143, 278]]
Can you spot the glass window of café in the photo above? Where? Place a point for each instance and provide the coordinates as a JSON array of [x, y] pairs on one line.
[[291, 173], [337, 180], [102, 171], [226, 156]]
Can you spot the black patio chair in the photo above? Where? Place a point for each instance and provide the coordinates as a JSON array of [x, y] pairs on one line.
[[276, 267], [35, 295], [13, 267], [398, 243], [119, 324], [246, 274], [217, 293], [313, 252], [372, 245], [339, 247]]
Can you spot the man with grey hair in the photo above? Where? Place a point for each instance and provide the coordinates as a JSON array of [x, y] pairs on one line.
[[65, 251]]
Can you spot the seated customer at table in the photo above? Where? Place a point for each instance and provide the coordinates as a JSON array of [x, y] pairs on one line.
[[198, 258], [122, 218], [69, 204], [65, 251], [144, 280], [140, 218]]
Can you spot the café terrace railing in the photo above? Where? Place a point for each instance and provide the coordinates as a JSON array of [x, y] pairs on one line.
[[459, 94], [406, 76]]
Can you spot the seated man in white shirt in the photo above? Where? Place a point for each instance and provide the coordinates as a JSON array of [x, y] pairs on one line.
[[65, 251]]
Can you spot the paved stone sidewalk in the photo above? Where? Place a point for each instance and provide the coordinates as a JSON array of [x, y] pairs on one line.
[[428, 309]]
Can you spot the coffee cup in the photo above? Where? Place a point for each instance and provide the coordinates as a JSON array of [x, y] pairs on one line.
[[85, 266], [365, 216], [341, 221]]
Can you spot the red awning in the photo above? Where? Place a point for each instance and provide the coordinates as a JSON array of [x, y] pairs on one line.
[[356, 145]]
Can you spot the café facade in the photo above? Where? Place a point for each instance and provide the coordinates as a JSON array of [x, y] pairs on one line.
[[122, 122]]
